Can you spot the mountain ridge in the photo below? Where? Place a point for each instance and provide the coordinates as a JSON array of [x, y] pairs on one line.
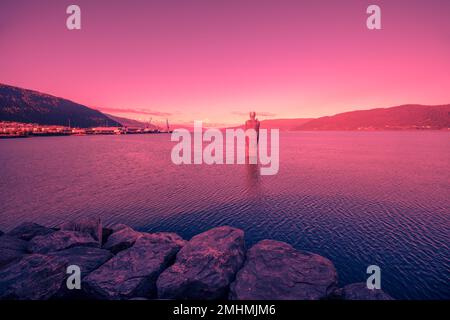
[[29, 106], [403, 117]]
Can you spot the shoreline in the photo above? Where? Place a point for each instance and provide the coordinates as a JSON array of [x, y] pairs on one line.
[[5, 137], [74, 135], [119, 263]]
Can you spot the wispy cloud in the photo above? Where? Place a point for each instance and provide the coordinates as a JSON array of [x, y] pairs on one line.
[[135, 111], [258, 114]]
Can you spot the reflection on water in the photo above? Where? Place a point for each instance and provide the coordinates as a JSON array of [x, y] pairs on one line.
[[358, 198], [252, 166], [253, 176]]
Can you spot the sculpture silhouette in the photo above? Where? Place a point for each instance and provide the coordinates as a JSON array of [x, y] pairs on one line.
[[253, 123], [251, 149]]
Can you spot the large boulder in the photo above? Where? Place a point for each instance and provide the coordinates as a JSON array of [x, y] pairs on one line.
[[11, 249], [107, 231], [34, 277], [133, 272], [91, 226], [274, 270], [28, 230], [86, 258], [117, 227], [60, 240], [359, 291], [121, 239], [205, 266]]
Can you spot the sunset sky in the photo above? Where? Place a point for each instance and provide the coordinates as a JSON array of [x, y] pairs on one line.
[[216, 60]]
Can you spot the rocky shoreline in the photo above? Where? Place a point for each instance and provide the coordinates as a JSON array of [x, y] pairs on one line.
[[117, 262]]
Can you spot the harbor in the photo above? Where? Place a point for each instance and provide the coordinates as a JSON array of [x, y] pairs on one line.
[[9, 130]]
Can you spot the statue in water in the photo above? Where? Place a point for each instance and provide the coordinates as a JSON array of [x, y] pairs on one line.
[[253, 123], [251, 149]]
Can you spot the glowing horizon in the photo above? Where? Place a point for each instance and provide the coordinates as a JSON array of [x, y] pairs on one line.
[[215, 61]]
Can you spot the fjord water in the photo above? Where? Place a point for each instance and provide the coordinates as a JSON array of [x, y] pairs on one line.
[[358, 198]]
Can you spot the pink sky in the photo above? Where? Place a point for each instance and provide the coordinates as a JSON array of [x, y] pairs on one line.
[[215, 60]]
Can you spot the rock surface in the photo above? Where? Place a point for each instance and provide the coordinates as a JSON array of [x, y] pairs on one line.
[[11, 249], [107, 231], [133, 272], [60, 240], [35, 277], [91, 226], [1, 233], [212, 265], [28, 230], [205, 266], [118, 226], [275, 270], [86, 258], [121, 239], [359, 291]]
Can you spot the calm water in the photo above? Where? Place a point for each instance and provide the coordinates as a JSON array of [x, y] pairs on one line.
[[357, 198]]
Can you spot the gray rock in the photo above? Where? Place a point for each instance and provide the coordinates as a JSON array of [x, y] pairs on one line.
[[205, 266], [118, 226], [122, 239], [274, 270], [34, 277], [359, 291], [107, 231], [28, 230], [87, 259], [11, 249], [60, 240], [91, 226], [133, 272]]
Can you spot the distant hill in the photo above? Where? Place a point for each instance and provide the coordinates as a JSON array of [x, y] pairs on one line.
[[284, 124], [126, 122], [405, 117], [22, 105]]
